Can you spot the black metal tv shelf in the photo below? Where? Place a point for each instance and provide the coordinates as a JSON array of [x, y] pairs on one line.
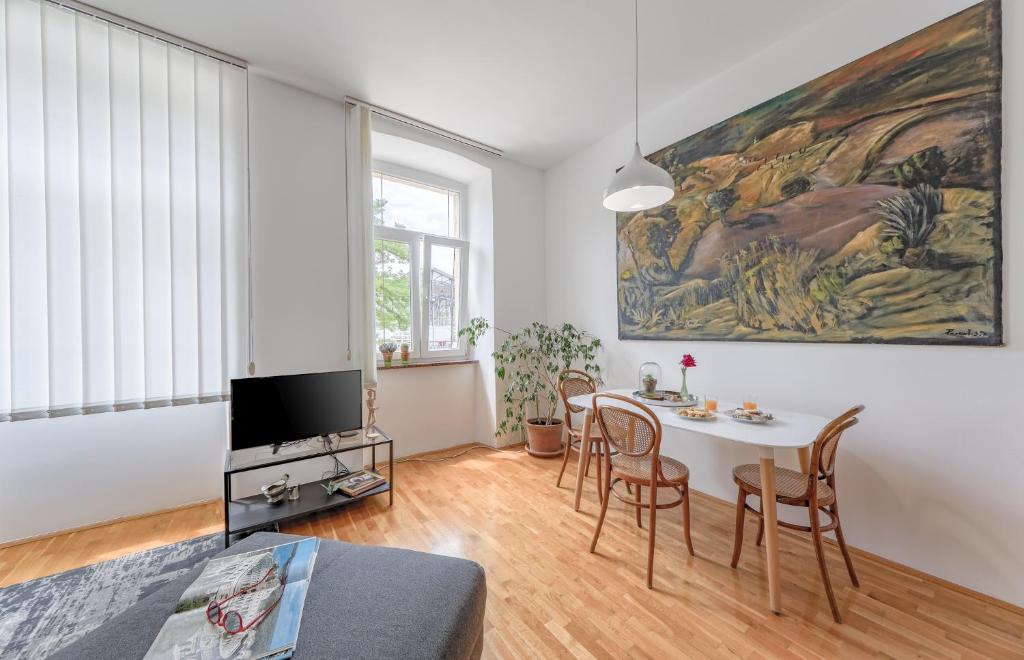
[[248, 514]]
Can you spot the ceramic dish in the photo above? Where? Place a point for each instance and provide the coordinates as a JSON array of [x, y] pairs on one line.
[[750, 416], [696, 414]]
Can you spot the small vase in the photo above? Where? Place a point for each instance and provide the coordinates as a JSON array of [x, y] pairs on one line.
[[683, 392]]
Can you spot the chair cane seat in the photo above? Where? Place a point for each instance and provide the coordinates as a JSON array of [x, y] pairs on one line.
[[789, 484], [638, 468]]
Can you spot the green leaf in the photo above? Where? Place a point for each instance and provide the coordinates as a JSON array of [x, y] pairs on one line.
[[530, 360]]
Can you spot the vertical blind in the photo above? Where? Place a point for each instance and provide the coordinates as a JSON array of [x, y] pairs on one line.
[[123, 205]]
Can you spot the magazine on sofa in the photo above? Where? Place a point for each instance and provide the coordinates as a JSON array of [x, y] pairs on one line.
[[245, 606]]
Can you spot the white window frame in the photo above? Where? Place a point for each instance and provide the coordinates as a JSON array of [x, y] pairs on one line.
[[420, 244], [415, 241], [429, 240]]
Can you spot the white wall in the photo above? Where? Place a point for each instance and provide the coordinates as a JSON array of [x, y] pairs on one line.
[[300, 296], [126, 463], [520, 270], [464, 395], [481, 301], [428, 408], [931, 477], [300, 246], [507, 259], [72, 471]]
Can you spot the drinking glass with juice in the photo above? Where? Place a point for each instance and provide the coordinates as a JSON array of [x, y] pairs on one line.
[[711, 403], [750, 403]]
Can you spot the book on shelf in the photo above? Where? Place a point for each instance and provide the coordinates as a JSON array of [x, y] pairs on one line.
[[356, 483]]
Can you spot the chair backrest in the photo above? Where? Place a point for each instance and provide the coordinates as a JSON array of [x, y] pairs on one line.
[[826, 445], [573, 382], [632, 429]]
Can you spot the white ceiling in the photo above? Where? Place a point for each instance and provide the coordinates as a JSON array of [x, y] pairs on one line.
[[539, 79]]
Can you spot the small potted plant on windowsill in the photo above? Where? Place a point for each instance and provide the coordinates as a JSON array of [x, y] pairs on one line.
[[529, 361], [387, 351]]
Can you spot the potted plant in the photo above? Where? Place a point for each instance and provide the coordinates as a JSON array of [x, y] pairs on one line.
[[529, 361], [387, 351], [404, 354]]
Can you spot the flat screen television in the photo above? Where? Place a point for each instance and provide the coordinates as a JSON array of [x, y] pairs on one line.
[[278, 409]]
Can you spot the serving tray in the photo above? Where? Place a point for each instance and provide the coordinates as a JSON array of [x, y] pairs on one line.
[[672, 399]]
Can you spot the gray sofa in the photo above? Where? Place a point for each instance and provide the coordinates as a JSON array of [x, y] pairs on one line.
[[363, 602]]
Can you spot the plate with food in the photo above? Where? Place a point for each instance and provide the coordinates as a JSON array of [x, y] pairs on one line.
[[750, 416], [698, 414], [664, 398]]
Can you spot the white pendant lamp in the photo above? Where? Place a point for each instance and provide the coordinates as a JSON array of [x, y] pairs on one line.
[[640, 184]]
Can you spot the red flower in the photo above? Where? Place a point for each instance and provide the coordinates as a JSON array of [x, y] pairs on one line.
[[688, 361]]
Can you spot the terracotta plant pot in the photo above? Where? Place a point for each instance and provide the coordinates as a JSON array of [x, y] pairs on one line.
[[544, 440], [388, 356]]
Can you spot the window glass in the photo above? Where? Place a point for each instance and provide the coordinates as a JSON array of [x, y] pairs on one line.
[[405, 204], [420, 260], [392, 262], [444, 286]]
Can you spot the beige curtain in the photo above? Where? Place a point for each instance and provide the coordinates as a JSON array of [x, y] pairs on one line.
[[360, 223]]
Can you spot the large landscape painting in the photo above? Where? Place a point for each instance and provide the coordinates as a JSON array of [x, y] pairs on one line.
[[863, 206]]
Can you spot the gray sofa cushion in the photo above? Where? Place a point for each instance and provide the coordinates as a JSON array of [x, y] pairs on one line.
[[363, 602]]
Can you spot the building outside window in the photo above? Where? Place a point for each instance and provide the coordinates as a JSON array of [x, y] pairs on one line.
[[420, 261]]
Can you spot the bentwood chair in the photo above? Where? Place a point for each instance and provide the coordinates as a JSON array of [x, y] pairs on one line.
[[815, 491], [632, 437], [573, 382]]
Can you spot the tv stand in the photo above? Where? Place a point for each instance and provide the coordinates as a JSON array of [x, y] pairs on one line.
[[249, 514]]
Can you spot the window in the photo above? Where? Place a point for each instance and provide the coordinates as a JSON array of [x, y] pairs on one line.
[[420, 258], [122, 217]]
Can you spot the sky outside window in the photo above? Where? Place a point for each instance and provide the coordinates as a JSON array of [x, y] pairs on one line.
[[415, 206]]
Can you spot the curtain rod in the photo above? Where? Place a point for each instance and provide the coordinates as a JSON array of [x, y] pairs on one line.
[[424, 126], [139, 28]]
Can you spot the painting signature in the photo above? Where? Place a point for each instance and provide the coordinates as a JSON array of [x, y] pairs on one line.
[[965, 332]]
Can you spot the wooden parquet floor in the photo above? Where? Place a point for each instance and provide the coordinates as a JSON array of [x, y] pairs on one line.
[[549, 598]]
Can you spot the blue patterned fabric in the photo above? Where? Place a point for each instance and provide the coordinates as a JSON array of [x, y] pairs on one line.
[[39, 617]]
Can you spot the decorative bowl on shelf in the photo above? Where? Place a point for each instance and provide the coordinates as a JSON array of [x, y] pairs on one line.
[[275, 492]]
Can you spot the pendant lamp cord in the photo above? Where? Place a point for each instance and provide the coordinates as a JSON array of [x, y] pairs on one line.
[[636, 71]]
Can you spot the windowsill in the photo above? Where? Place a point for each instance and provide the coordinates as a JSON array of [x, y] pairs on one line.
[[415, 365]]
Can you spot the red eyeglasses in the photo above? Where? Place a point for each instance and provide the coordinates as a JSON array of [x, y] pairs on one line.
[[231, 621]]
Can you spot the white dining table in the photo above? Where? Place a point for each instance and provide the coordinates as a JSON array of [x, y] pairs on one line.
[[789, 430]]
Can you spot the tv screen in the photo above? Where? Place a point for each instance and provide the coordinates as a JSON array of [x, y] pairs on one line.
[[279, 409]]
